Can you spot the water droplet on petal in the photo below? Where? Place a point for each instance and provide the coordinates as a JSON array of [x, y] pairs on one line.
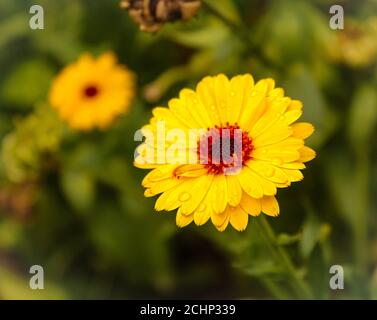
[[202, 207], [232, 93], [270, 172], [184, 196]]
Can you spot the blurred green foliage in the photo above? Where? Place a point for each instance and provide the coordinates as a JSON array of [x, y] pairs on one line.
[[72, 202]]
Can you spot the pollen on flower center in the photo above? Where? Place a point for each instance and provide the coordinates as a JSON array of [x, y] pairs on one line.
[[91, 91], [224, 148]]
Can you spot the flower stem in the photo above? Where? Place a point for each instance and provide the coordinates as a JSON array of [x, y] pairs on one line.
[[361, 228], [301, 287], [241, 31]]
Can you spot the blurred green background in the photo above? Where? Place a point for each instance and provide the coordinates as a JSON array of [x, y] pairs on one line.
[[72, 202]]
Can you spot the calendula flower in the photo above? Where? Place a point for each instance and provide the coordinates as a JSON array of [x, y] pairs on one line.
[[91, 93], [150, 15], [267, 154], [356, 44]]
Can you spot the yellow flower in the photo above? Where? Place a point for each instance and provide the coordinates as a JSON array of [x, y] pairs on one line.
[[356, 45], [272, 151], [91, 93]]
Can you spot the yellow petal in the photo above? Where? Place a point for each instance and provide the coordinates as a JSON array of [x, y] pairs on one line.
[[190, 170], [222, 88], [276, 93], [248, 185], [270, 117], [206, 94], [198, 190], [162, 186], [267, 171], [195, 108], [180, 111], [183, 220], [161, 173], [302, 130], [267, 186], [219, 219], [175, 197], [306, 154], [219, 194], [270, 206], [295, 105], [294, 175], [255, 106], [234, 190], [238, 218], [272, 136], [164, 114], [251, 205], [202, 214], [224, 225], [240, 88]]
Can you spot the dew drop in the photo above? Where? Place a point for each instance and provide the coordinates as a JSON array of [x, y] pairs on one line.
[[270, 172], [184, 196], [202, 207], [232, 93]]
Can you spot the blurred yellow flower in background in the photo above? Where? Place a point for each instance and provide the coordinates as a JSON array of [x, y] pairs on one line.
[[273, 152], [356, 45], [91, 93]]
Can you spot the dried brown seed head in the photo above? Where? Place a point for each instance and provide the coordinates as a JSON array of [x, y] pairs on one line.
[[150, 15]]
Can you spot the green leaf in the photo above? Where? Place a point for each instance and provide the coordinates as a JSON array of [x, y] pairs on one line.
[[363, 116], [225, 8], [287, 239], [341, 181], [13, 27], [261, 268], [209, 36], [28, 83], [79, 189], [310, 236]]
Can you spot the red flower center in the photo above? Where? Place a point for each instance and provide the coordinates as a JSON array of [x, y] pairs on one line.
[[224, 149], [91, 91]]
